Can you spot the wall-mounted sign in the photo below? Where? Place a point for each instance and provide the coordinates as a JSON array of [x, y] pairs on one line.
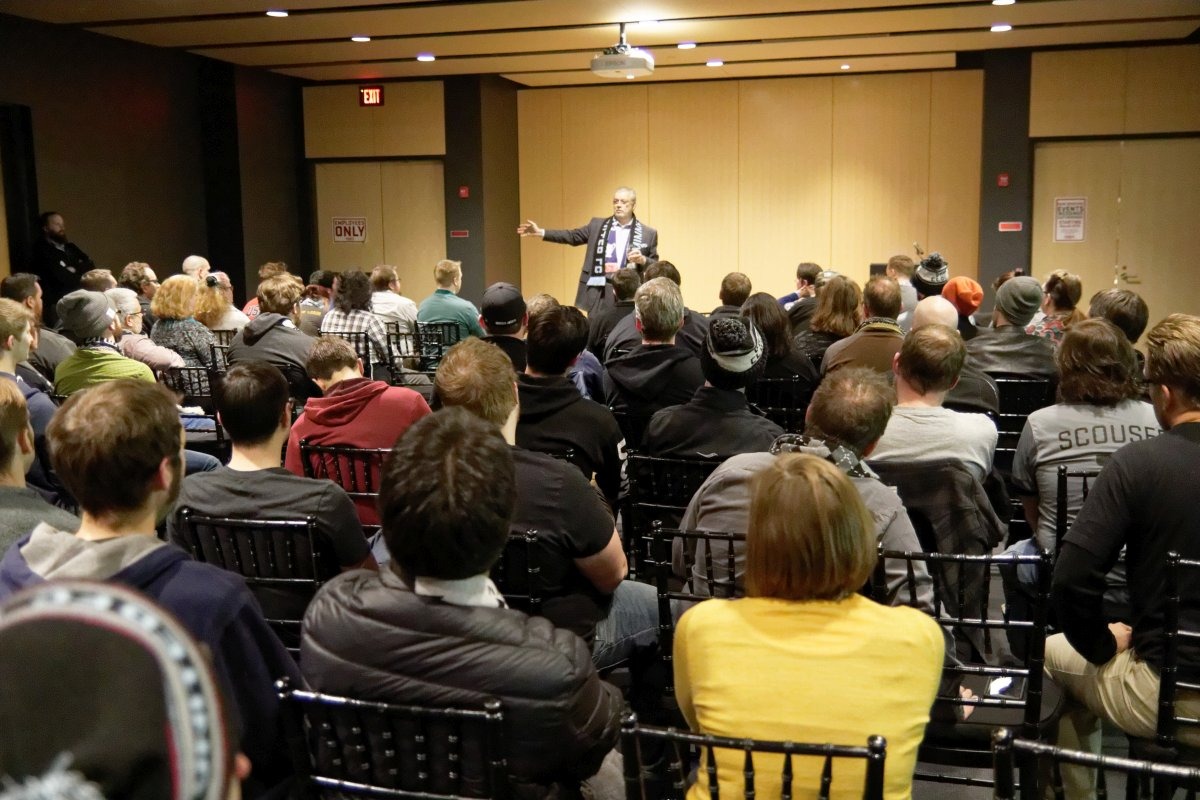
[[1011, 227], [370, 95], [349, 229], [1070, 213]]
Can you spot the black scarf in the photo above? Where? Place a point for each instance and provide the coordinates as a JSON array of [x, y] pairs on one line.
[[839, 455], [635, 241]]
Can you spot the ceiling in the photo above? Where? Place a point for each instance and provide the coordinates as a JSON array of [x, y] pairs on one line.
[[551, 42]]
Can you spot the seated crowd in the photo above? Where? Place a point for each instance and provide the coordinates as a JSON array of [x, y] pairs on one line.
[[485, 539]]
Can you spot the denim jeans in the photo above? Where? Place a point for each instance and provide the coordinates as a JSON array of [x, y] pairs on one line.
[[631, 624], [198, 462]]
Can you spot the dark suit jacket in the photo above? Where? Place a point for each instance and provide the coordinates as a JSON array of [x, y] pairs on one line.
[[588, 235]]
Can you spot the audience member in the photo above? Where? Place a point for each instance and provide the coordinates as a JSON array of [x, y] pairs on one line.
[[735, 288], [554, 417], [1144, 497], [432, 629], [656, 373], [50, 348], [214, 304], [145, 715], [351, 313], [1128, 311], [444, 305], [625, 335], [131, 341], [930, 276], [117, 447], [1062, 293], [809, 548], [975, 391], [355, 411], [878, 337], [254, 409], [272, 336], [920, 429], [388, 304], [900, 268], [785, 362], [177, 329], [271, 269], [503, 317], [801, 304], [625, 283], [848, 414], [97, 280], [717, 422], [91, 320], [582, 560], [57, 261], [139, 276], [196, 267], [966, 295], [587, 373], [17, 329], [837, 314], [23, 508], [316, 302], [1007, 349]]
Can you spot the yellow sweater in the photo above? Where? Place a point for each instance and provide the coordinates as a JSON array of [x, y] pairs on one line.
[[812, 672]]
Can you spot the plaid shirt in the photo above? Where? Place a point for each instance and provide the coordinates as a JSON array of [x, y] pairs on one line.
[[359, 321]]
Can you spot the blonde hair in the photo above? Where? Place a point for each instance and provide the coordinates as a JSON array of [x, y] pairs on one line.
[[176, 298], [278, 295], [478, 376], [1173, 355], [810, 536], [447, 272], [14, 318], [211, 302]]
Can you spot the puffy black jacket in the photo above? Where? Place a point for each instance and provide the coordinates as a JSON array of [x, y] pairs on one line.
[[368, 636]]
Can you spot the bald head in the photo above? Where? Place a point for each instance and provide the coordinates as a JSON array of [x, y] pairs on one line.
[[935, 310], [196, 266]]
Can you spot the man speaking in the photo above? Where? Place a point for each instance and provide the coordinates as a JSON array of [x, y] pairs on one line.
[[612, 243]]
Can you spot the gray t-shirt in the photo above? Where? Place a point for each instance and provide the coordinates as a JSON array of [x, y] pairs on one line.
[[916, 433], [1077, 436], [22, 509]]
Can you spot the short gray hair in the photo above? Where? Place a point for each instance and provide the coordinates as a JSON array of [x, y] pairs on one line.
[[125, 300], [658, 305]]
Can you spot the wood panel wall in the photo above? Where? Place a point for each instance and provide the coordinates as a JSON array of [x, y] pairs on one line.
[[758, 175], [411, 122]]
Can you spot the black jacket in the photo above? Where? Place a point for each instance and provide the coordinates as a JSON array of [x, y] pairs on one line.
[[715, 423], [1011, 351], [555, 418], [266, 338], [368, 636], [625, 335], [650, 377], [601, 323]]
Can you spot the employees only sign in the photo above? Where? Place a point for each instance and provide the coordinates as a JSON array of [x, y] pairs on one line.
[[349, 229]]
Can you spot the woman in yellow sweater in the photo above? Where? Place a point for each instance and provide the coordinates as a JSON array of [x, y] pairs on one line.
[[804, 657]]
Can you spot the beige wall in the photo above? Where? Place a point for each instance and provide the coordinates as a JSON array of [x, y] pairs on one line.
[[758, 175], [388, 194], [411, 122], [1115, 91], [1140, 230]]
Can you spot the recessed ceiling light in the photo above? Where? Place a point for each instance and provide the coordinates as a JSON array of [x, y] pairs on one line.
[[1002, 27], [360, 38], [426, 57], [714, 62], [845, 66], [628, 77], [686, 45], [1003, 2], [276, 12]]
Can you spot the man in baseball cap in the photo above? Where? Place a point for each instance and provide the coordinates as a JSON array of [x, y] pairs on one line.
[[502, 315]]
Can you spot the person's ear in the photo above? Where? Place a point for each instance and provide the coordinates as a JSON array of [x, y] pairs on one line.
[[164, 475], [358, 366], [896, 364], [8, 343], [25, 440]]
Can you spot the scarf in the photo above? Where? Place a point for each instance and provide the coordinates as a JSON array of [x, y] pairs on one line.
[[635, 242], [880, 324], [839, 455]]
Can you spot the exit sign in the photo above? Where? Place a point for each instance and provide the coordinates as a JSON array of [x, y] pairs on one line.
[[370, 95]]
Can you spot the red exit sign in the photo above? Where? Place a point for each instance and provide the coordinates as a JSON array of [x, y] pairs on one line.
[[370, 95]]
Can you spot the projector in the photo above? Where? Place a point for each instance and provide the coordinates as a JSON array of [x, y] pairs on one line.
[[623, 61]]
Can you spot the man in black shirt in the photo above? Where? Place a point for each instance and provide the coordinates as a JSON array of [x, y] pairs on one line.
[[625, 283], [502, 315], [57, 262], [1143, 499]]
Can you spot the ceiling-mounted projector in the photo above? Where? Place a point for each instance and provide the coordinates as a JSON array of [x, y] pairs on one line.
[[623, 61]]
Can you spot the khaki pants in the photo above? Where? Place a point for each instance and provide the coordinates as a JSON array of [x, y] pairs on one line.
[[1123, 691]]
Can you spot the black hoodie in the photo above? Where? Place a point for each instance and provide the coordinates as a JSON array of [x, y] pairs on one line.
[[555, 418], [275, 339], [650, 377]]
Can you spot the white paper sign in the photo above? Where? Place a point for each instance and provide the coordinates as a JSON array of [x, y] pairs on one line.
[[349, 229], [1070, 213]]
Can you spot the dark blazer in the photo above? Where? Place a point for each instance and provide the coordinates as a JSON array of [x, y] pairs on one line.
[[588, 235]]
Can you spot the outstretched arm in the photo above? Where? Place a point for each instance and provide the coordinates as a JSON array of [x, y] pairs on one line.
[[530, 228]]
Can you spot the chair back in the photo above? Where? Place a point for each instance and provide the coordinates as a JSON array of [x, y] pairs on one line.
[[517, 574], [195, 385], [688, 567], [1064, 510], [433, 340], [343, 746], [224, 338], [282, 561], [1019, 397], [355, 469], [659, 489], [1181, 630], [1139, 775], [969, 614], [784, 401], [364, 349], [795, 774], [403, 344], [219, 355]]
